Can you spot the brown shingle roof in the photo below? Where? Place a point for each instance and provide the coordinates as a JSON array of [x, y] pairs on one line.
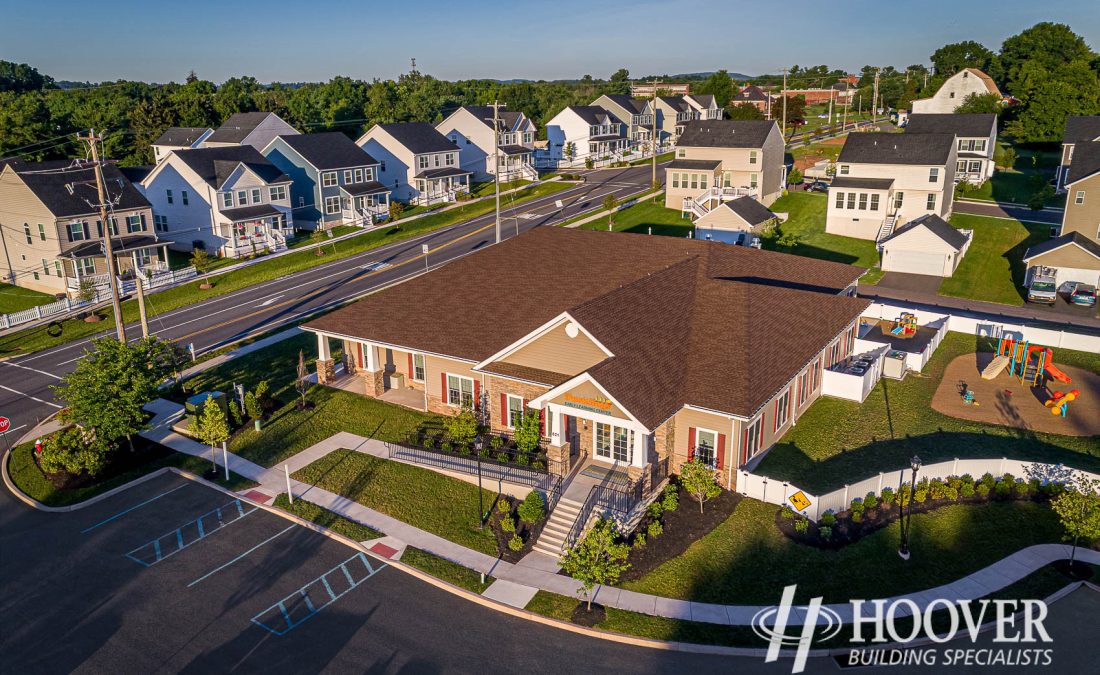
[[689, 322], [528, 373]]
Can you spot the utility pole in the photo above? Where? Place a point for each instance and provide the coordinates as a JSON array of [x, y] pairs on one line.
[[139, 284], [496, 162], [784, 128], [112, 281], [874, 100], [830, 107], [653, 134]]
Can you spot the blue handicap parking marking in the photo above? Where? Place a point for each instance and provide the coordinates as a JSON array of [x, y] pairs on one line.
[[290, 612], [171, 543]]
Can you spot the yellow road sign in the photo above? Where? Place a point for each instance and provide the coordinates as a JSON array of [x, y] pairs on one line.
[[799, 501]]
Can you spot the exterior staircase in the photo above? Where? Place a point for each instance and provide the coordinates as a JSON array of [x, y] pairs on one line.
[[552, 539], [995, 367], [699, 205], [887, 228]]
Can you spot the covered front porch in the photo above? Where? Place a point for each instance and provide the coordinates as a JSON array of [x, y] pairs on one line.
[[435, 186], [515, 163], [364, 203], [253, 230], [86, 264]]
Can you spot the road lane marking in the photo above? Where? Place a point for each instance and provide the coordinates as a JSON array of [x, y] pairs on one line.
[[33, 398], [272, 299], [135, 506], [242, 556], [35, 370]]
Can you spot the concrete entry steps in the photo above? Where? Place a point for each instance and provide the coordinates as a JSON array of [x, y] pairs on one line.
[[552, 539]]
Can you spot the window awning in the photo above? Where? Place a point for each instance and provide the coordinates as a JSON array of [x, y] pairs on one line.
[[360, 189], [514, 150], [242, 213], [120, 246], [442, 173]]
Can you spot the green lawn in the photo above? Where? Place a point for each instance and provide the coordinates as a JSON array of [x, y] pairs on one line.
[[993, 269], [325, 518], [444, 569], [16, 299], [644, 215], [1033, 169], [27, 476], [807, 222], [439, 504], [838, 442], [290, 430], [487, 188], [747, 560], [666, 157], [36, 339]]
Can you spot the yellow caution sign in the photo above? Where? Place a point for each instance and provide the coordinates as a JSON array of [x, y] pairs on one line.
[[799, 501]]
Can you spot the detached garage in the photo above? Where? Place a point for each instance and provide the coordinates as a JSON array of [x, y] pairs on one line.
[[1073, 257], [733, 220], [927, 245]]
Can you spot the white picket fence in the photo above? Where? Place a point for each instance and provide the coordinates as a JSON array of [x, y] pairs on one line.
[[102, 294], [775, 491]]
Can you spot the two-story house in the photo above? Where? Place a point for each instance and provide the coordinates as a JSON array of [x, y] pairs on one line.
[[581, 132], [252, 128], [975, 140], [720, 160], [673, 112], [52, 232], [334, 181], [705, 106], [1079, 130], [954, 91], [756, 97], [418, 164], [637, 113], [887, 179], [230, 201], [471, 129], [179, 138]]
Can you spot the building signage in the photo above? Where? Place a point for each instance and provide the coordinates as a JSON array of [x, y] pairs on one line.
[[597, 404]]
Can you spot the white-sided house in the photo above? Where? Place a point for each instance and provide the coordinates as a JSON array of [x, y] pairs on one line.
[[252, 128], [706, 107], [673, 113], [471, 129], [975, 139], [179, 138], [230, 201], [417, 163], [886, 179], [954, 91], [637, 113], [721, 160], [581, 132], [1079, 130], [735, 222], [334, 181], [926, 245]]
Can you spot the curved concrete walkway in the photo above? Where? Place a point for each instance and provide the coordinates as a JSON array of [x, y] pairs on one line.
[[524, 578]]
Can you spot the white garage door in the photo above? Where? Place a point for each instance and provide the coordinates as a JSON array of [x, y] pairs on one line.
[[914, 262], [1070, 274]]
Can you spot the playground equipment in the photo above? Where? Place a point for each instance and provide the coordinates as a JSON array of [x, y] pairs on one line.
[[1059, 402], [968, 397], [1024, 360], [905, 326]]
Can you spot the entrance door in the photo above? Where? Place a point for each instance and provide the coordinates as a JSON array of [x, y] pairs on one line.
[[612, 443]]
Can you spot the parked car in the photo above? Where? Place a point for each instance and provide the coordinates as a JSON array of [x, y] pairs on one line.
[[1043, 287], [1084, 295], [817, 186]]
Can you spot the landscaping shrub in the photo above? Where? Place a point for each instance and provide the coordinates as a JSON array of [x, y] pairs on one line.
[[639, 540], [508, 524], [1053, 489], [533, 508], [1003, 488], [829, 519], [951, 493], [887, 496], [787, 513], [801, 525], [825, 532], [655, 509], [655, 529], [495, 442], [982, 489], [71, 452], [870, 501], [988, 480], [937, 489], [967, 490], [1023, 488], [503, 505], [856, 510], [903, 495], [671, 499], [515, 543]]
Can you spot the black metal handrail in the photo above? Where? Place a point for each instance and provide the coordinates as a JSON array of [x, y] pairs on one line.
[[471, 465]]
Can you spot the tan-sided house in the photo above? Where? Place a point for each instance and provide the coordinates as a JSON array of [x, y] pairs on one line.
[[721, 160], [52, 233], [1075, 254], [635, 351], [1080, 130]]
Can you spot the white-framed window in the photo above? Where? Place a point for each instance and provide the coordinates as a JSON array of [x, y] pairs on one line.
[[348, 173], [975, 166], [979, 145], [277, 193], [332, 205], [86, 266], [183, 197], [515, 411], [227, 200], [706, 444], [1079, 197], [242, 197], [754, 438], [930, 204], [752, 157], [133, 224], [460, 390], [934, 175], [703, 181], [782, 409], [436, 160], [874, 202], [754, 180], [844, 169], [960, 166], [803, 381], [57, 267], [358, 175], [27, 232], [368, 174], [681, 153], [45, 267], [77, 231], [675, 180], [422, 161], [257, 196], [612, 443], [862, 201], [418, 368], [840, 200], [42, 233], [899, 197], [168, 193], [329, 179], [851, 200]]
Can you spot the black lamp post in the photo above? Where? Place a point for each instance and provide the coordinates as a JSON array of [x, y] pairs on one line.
[[907, 518], [478, 445]]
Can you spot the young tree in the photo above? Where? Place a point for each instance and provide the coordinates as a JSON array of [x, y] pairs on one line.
[[397, 209], [252, 409], [302, 383], [794, 176], [570, 151], [1004, 157], [698, 479], [609, 204], [528, 432], [202, 262], [1079, 510], [744, 111], [597, 558], [462, 428], [211, 426], [106, 392]]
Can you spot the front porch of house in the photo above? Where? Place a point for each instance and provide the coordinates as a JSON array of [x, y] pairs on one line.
[[515, 163], [254, 230], [86, 265], [436, 186], [364, 204]]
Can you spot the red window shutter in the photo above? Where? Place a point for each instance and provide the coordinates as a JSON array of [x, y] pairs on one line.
[[745, 447], [775, 425], [504, 409], [362, 359], [691, 443], [542, 422], [477, 395], [412, 373], [721, 451], [565, 438], [444, 376]]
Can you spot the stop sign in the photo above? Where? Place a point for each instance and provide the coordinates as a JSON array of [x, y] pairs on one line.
[[4, 424]]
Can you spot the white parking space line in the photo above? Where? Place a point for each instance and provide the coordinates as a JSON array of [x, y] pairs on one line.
[[33, 398], [242, 556]]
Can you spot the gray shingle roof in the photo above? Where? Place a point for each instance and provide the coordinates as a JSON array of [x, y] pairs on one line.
[[1074, 238], [889, 148], [750, 94], [50, 183], [1082, 128], [862, 183], [418, 137], [632, 105], [726, 133], [1086, 161], [937, 226], [695, 164], [329, 150], [509, 119], [705, 100], [750, 210], [214, 165], [238, 127], [594, 114], [180, 137], [251, 212], [968, 125]]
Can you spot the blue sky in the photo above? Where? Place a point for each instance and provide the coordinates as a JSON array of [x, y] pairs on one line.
[[309, 41]]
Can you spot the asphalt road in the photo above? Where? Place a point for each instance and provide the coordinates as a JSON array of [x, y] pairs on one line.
[[1006, 211], [25, 394]]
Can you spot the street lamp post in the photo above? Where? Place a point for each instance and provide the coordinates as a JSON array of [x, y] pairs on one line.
[[907, 518], [478, 445]]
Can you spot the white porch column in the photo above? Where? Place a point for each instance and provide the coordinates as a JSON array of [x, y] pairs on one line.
[[323, 353], [557, 434], [638, 452], [371, 358]]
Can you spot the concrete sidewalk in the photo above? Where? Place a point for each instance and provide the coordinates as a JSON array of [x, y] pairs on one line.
[[526, 578]]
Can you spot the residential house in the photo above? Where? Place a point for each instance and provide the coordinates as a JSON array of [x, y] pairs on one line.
[[721, 160], [926, 245], [975, 140], [884, 179], [52, 232], [706, 107], [636, 113], [230, 201], [582, 132], [334, 181], [735, 222], [1073, 257], [756, 97], [954, 91], [417, 163], [673, 113], [179, 138], [252, 128], [1075, 254], [637, 353], [646, 89], [1079, 130], [471, 129]]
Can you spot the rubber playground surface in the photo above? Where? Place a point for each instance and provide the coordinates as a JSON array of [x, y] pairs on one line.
[[1005, 401]]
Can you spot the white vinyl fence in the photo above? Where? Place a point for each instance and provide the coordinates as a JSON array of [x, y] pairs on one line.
[[779, 492]]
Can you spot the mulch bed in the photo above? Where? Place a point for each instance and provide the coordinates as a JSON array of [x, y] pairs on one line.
[[1079, 572], [682, 528], [528, 533], [582, 616], [123, 460]]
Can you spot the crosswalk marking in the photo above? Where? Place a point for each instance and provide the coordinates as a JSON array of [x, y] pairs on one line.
[[375, 266]]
